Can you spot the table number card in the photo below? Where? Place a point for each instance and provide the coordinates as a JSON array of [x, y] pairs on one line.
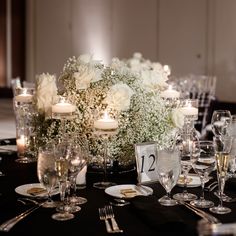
[[146, 154]]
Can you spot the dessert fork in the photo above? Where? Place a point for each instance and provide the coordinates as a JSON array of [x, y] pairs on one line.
[[110, 215], [102, 216]]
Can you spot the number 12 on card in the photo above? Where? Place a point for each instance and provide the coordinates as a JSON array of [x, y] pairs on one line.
[[146, 154]]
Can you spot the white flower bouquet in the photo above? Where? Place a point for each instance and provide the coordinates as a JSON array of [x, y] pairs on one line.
[[130, 89]]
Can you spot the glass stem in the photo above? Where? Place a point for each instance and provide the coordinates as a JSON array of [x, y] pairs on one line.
[[185, 182], [221, 189], [202, 197], [105, 158], [168, 194]]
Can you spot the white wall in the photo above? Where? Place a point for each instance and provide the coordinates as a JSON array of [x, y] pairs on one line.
[[192, 36]]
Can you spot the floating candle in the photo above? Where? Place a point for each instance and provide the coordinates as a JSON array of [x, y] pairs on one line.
[[170, 93], [63, 107], [24, 96], [106, 123], [189, 110]]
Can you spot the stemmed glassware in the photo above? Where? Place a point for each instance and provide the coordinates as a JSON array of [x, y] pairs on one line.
[[168, 170], [220, 122], [62, 153], [232, 133], [105, 127], [46, 172], [204, 165], [222, 149], [188, 143], [76, 164]]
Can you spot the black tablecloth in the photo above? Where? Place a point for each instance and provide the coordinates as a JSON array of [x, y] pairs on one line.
[[144, 216]]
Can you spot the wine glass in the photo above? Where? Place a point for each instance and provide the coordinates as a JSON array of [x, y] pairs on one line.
[[220, 122], [168, 170], [76, 164], [46, 172], [62, 167], [222, 149], [189, 151], [204, 165], [232, 162]]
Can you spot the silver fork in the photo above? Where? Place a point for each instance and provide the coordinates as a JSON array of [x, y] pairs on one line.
[[102, 216], [110, 215]]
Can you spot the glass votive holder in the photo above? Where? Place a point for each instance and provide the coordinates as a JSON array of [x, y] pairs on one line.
[[105, 123], [189, 108], [63, 109], [23, 95]]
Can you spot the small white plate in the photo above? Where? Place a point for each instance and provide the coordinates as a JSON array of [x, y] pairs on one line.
[[22, 190], [8, 148], [142, 190], [193, 181]]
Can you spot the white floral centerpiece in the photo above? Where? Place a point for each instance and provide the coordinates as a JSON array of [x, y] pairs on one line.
[[130, 89]]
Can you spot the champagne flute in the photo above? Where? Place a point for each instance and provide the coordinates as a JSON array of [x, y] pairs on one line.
[[220, 122], [204, 165], [222, 150], [168, 170], [61, 167], [46, 172]]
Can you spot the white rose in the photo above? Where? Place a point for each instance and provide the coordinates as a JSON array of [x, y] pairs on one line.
[[177, 118], [118, 97], [46, 92], [85, 77], [153, 80], [85, 58], [137, 55]]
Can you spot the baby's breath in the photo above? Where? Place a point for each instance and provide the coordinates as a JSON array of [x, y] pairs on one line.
[[147, 118]]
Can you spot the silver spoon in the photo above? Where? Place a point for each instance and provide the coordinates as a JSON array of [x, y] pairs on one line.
[[119, 202]]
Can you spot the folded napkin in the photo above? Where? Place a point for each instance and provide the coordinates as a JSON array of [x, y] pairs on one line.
[[163, 219]]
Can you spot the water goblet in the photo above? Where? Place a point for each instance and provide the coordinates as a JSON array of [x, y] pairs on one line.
[[46, 172], [220, 122], [204, 165], [168, 170], [222, 150]]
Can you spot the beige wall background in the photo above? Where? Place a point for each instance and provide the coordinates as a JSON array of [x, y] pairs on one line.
[[192, 36]]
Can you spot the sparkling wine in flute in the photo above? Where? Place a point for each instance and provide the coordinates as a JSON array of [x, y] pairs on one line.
[[61, 166], [222, 163]]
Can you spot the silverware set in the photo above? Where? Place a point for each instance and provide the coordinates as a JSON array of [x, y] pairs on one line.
[[105, 214], [9, 224], [206, 216]]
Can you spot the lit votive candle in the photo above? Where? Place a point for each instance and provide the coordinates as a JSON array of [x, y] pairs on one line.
[[106, 123], [24, 96], [170, 93], [189, 110], [63, 107], [21, 143]]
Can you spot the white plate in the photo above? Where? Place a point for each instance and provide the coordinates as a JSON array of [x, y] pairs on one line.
[[194, 181], [8, 148], [22, 190], [114, 191]]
